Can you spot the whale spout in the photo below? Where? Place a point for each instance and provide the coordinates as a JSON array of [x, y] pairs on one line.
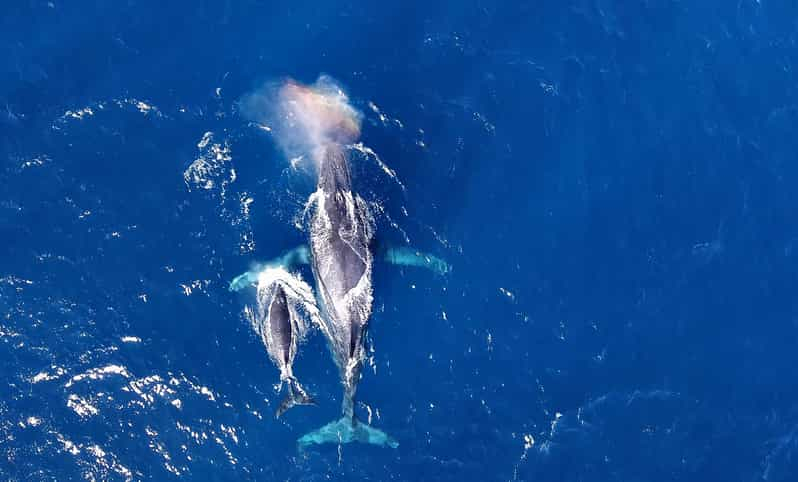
[[296, 396], [346, 430]]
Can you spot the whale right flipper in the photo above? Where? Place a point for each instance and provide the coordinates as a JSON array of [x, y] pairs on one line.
[[245, 280], [406, 256], [292, 258]]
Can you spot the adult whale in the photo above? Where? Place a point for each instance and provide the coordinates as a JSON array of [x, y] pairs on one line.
[[341, 230]]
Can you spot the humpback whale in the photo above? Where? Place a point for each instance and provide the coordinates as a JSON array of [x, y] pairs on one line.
[[284, 306], [341, 230]]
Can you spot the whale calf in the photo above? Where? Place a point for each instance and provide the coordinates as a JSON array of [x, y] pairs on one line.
[[284, 310]]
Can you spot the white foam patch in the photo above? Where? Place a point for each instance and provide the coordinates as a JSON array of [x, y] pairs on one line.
[[140, 105], [199, 285], [196, 388], [126, 103], [158, 448], [81, 406], [212, 171], [45, 376], [79, 113], [35, 162], [99, 374], [150, 388], [15, 281], [101, 464], [509, 294], [384, 118], [212, 167], [68, 445]]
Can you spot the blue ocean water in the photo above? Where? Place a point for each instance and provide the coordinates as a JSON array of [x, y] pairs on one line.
[[610, 180]]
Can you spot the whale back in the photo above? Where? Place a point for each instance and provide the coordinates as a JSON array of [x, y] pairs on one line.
[[333, 169], [280, 326], [341, 231]]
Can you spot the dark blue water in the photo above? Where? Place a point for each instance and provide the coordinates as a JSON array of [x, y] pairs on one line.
[[612, 181]]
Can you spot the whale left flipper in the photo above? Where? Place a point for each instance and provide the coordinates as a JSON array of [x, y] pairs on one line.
[[245, 280]]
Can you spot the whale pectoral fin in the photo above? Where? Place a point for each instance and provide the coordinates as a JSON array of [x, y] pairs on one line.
[[244, 280], [406, 256], [292, 258], [298, 255]]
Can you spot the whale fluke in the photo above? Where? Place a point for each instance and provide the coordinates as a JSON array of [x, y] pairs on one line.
[[296, 395], [347, 430]]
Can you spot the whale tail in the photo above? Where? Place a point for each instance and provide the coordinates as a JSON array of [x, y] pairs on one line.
[[296, 395], [346, 430]]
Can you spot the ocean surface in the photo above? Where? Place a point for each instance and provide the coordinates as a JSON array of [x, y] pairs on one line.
[[613, 183]]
